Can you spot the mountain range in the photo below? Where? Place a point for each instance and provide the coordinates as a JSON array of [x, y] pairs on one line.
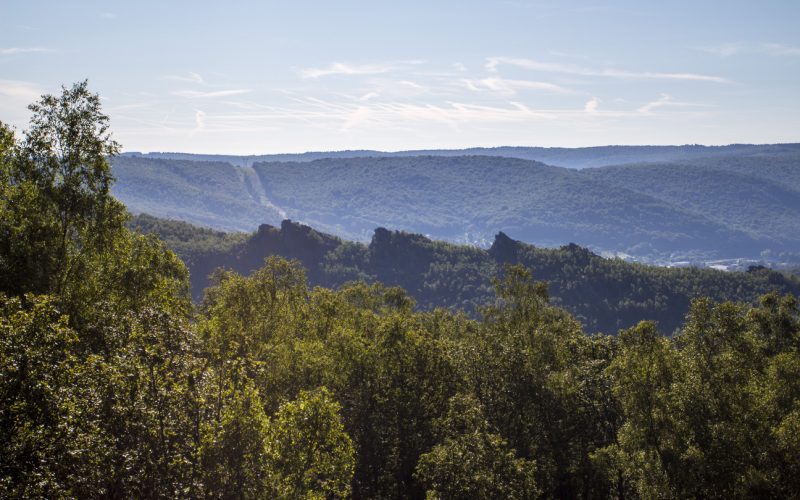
[[656, 204], [586, 157]]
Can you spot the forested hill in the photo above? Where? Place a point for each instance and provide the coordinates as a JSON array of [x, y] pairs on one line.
[[710, 208], [208, 193], [604, 294], [470, 198], [563, 157], [755, 195], [458, 199]]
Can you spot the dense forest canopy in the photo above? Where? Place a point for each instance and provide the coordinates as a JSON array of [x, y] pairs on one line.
[[113, 385]]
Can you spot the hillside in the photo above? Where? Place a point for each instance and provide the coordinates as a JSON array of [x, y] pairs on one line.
[[604, 294], [734, 202], [208, 193], [757, 196], [467, 199], [783, 168], [460, 199]]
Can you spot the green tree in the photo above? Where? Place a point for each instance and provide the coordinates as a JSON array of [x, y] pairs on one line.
[[114, 417], [28, 259], [310, 454], [63, 165], [41, 409], [471, 461], [709, 413], [646, 451], [539, 380], [234, 437], [150, 407]]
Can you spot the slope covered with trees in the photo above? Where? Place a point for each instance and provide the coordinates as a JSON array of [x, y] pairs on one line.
[[759, 197], [779, 167], [214, 194], [714, 207], [604, 294], [112, 385], [470, 198]]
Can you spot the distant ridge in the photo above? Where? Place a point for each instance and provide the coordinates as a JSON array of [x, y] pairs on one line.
[[585, 157]]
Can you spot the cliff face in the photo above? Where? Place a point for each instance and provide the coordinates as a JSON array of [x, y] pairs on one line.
[[398, 252], [504, 249], [401, 259], [291, 241]]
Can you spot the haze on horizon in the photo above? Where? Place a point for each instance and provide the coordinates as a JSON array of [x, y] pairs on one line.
[[270, 77]]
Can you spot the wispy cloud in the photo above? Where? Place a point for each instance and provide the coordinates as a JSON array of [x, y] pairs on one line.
[[199, 120], [778, 49], [666, 100], [26, 91], [394, 114], [192, 77], [770, 49], [724, 50], [197, 94], [339, 117], [409, 83], [390, 88], [510, 87], [357, 117], [368, 114], [338, 68], [493, 63], [346, 69], [403, 99], [368, 96], [22, 50], [15, 96], [108, 15], [663, 100]]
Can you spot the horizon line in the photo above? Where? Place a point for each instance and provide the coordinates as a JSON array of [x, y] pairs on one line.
[[422, 150]]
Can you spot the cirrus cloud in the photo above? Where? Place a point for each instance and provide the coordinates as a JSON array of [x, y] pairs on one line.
[[338, 68], [493, 63], [22, 50], [770, 49], [198, 94]]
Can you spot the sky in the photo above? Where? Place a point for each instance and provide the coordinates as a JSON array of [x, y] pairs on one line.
[[261, 77]]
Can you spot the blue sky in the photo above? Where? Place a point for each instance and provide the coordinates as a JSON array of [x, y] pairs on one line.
[[268, 77]]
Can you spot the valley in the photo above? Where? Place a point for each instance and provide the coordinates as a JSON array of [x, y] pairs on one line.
[[728, 207]]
